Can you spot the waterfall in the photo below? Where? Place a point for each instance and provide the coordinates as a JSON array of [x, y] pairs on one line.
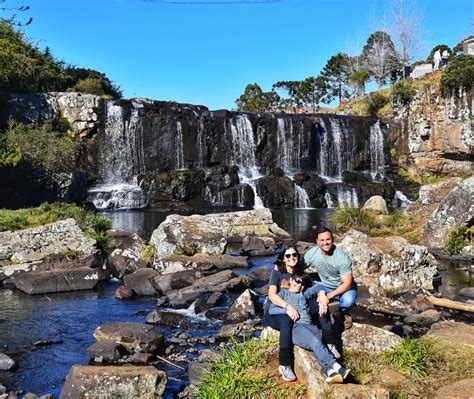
[[377, 159], [347, 197], [243, 154], [200, 142], [120, 160], [328, 199], [301, 198], [289, 147], [401, 199], [179, 147]]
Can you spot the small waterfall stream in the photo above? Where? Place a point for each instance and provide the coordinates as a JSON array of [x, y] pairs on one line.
[[377, 159], [179, 147]]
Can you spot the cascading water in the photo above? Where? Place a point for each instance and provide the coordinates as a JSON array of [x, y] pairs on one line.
[[401, 199], [289, 146], [328, 199], [347, 197], [301, 198], [120, 161], [377, 158], [200, 142], [243, 153], [179, 146]]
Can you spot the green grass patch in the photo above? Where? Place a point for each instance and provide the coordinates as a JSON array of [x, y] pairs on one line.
[[241, 373], [93, 226], [345, 218]]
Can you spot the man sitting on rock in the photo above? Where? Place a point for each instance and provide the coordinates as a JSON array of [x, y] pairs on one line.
[[305, 334], [335, 271]]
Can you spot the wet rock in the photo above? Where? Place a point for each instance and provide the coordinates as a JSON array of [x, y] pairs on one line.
[[423, 319], [245, 330], [420, 303], [377, 205], [455, 332], [171, 319], [388, 265], [141, 358], [208, 301], [260, 274], [201, 263], [140, 281], [368, 338], [2, 389], [195, 370], [124, 292], [109, 352], [7, 363], [256, 246], [135, 337], [114, 382], [81, 278], [243, 308], [173, 281], [468, 292], [276, 192], [117, 237]]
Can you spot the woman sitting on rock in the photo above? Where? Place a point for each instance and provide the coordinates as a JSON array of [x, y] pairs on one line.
[[287, 264], [305, 334]]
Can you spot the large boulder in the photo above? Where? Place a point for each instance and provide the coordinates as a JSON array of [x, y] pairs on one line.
[[377, 205], [125, 382], [140, 281], [276, 192], [367, 338], [209, 234], [7, 363], [135, 337], [35, 244], [62, 280], [389, 265], [455, 210], [457, 333], [127, 257]]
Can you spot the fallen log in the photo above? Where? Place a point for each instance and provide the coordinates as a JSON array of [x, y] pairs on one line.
[[448, 303]]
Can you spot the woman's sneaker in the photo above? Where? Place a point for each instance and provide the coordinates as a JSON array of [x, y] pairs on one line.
[[332, 348], [287, 373]]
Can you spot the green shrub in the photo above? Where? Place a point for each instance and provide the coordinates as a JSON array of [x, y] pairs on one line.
[[456, 241], [352, 217], [375, 102], [89, 86], [412, 356], [403, 92], [41, 146], [459, 73], [149, 253]]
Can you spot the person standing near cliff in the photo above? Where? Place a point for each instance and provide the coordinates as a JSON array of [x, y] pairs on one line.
[[335, 271]]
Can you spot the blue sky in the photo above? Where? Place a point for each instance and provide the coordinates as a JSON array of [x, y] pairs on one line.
[[207, 53]]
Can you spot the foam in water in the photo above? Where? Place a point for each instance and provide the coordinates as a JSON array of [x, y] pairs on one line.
[[117, 196], [402, 199]]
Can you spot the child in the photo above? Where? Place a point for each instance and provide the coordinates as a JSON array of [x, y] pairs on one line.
[[305, 334]]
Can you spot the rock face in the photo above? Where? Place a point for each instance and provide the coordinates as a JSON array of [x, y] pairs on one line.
[[175, 153], [126, 382], [388, 265], [438, 130], [209, 234], [455, 210]]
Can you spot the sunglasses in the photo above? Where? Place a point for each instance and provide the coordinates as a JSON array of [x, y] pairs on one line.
[[294, 255], [298, 281]]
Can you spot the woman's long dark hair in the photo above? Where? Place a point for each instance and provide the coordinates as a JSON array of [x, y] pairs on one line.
[[280, 263]]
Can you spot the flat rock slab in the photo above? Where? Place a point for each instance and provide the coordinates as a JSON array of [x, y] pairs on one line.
[[455, 332], [368, 338], [136, 337], [125, 382], [106, 352], [81, 278], [140, 281]]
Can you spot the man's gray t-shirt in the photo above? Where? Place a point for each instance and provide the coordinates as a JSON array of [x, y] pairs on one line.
[[330, 268]]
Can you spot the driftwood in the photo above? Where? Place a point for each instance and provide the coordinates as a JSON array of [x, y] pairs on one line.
[[447, 303]]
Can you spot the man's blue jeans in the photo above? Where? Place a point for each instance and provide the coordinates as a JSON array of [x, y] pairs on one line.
[[347, 299]]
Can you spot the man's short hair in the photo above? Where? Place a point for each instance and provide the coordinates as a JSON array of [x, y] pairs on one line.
[[322, 230]]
